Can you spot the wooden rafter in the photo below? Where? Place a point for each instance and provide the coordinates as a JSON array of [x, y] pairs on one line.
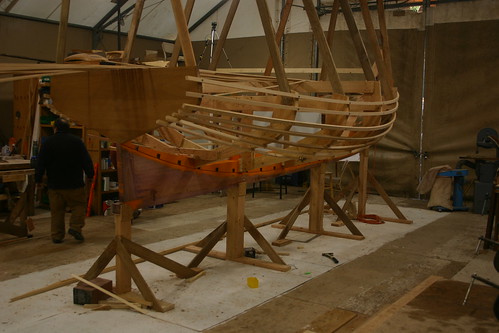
[[183, 33], [286, 10], [177, 47], [223, 36], [324, 49], [63, 27], [132, 32]]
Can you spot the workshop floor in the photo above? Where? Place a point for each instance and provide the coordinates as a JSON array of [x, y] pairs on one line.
[[316, 295]]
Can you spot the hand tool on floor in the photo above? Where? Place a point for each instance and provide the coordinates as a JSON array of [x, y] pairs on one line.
[[330, 255]]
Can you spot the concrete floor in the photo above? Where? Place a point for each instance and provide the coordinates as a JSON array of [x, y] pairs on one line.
[[372, 274]]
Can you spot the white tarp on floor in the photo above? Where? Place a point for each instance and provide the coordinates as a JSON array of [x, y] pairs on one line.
[[219, 295]]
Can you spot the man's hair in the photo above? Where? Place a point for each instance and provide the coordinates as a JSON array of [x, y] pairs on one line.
[[61, 124]]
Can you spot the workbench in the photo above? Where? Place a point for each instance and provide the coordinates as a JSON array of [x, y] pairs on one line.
[[17, 188]]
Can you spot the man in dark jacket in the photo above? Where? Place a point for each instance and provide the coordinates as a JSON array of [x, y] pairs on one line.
[[64, 158]]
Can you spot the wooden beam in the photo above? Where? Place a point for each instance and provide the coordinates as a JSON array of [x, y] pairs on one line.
[[272, 45], [141, 284], [323, 232], [123, 229], [373, 40], [286, 10], [384, 40], [235, 220], [316, 211], [63, 28], [177, 47], [357, 40], [208, 243], [132, 32], [363, 167], [223, 36], [157, 259], [183, 33], [324, 49], [107, 292], [266, 247], [330, 33], [341, 214]]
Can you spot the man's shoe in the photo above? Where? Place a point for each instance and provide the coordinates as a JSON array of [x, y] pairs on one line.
[[76, 234], [57, 241]]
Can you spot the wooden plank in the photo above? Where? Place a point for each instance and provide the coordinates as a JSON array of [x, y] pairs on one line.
[[157, 259], [213, 253], [132, 31], [127, 262], [375, 321], [123, 230], [385, 196], [235, 220], [183, 33], [324, 49], [357, 40], [63, 28], [177, 47], [264, 244], [330, 35], [316, 210], [263, 264], [362, 197], [133, 306], [341, 214], [272, 45], [135, 298], [323, 232], [290, 219], [385, 44], [373, 40], [101, 262], [286, 10], [223, 36], [208, 243]]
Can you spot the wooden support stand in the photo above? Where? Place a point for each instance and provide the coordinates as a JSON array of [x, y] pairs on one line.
[[122, 247], [315, 197], [365, 177], [234, 228]]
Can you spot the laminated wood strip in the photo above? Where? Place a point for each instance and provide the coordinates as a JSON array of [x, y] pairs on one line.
[[247, 88]]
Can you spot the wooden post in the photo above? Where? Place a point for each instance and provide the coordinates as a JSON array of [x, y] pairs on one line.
[[280, 74], [286, 10], [63, 27], [183, 33], [176, 48], [327, 57], [236, 195], [123, 229], [380, 62], [384, 40], [316, 212], [357, 40], [330, 33], [223, 36], [363, 168], [132, 32]]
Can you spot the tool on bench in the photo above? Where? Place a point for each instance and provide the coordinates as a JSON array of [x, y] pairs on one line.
[[331, 256]]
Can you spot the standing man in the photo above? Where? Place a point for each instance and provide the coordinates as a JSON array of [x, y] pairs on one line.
[[64, 157]]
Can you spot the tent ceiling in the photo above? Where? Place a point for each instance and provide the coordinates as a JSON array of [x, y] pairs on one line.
[[156, 21]]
